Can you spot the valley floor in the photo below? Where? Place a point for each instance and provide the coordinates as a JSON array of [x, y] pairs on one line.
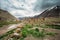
[[49, 25], [56, 37]]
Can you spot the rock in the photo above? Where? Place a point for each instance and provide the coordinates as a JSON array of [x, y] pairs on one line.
[[18, 30]]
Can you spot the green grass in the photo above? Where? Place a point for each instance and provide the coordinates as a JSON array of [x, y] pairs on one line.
[[51, 33], [54, 26], [35, 32], [27, 31]]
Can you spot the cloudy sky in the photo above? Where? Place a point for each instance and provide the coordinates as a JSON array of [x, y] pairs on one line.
[[26, 8]]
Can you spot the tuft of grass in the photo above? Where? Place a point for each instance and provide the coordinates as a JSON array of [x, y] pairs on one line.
[[24, 33], [54, 26], [51, 33], [28, 26]]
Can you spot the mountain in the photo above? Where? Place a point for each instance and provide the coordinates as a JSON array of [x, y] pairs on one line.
[[51, 12], [5, 15]]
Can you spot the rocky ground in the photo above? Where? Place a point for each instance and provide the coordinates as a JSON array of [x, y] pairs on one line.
[[9, 27]]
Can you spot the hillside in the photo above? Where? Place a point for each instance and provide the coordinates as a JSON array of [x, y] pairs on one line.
[[5, 15], [51, 12]]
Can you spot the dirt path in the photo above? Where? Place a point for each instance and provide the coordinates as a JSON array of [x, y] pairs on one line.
[[6, 28]]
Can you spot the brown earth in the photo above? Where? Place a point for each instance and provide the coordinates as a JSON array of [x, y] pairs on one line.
[[56, 37]]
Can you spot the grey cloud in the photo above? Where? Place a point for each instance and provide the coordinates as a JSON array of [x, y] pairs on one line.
[[43, 4], [8, 5], [39, 5]]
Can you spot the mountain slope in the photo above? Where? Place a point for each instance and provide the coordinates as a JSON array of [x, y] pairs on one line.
[[4, 15], [52, 12]]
